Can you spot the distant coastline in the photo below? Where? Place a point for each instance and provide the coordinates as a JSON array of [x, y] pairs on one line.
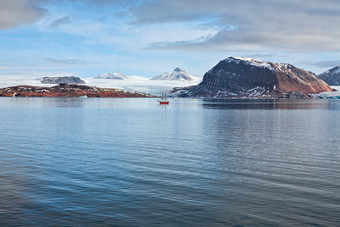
[[67, 90]]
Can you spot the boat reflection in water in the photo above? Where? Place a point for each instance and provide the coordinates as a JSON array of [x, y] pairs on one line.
[[163, 100]]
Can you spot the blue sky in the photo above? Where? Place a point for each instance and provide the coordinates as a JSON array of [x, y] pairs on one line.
[[149, 37]]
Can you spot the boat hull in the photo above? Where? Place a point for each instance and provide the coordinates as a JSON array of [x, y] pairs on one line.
[[163, 102]]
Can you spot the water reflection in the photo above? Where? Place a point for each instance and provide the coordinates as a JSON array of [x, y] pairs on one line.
[[131, 162], [270, 104], [42, 102]]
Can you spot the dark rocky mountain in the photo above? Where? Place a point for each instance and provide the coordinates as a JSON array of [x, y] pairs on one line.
[[331, 76], [64, 79], [67, 90], [246, 77]]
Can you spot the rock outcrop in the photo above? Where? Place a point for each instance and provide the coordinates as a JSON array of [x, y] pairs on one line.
[[67, 90], [178, 74], [246, 77], [64, 79], [331, 76]]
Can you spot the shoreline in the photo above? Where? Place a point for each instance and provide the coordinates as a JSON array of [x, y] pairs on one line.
[[67, 90]]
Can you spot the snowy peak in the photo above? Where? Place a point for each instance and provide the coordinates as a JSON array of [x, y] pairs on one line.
[[178, 74], [178, 69], [238, 60], [331, 76], [276, 67], [272, 66], [335, 69], [116, 76], [250, 61]]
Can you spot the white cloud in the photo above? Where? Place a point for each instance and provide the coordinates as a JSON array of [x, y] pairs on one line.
[[258, 25]]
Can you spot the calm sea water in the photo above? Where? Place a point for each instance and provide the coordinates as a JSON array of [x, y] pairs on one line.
[[132, 162]]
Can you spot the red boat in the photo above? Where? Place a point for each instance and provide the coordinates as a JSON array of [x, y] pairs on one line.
[[163, 100]]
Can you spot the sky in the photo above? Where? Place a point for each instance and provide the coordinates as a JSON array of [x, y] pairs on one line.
[[148, 37]]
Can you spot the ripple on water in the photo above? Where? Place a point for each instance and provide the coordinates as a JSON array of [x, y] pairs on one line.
[[131, 162]]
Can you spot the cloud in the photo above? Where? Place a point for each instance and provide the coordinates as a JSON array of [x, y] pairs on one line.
[[60, 21], [325, 64], [260, 25], [172, 45], [66, 61], [163, 11], [17, 12], [263, 55], [183, 44]]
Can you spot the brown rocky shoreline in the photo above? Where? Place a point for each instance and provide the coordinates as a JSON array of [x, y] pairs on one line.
[[67, 90]]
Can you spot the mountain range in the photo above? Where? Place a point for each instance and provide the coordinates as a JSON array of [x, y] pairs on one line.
[[231, 77], [178, 74]]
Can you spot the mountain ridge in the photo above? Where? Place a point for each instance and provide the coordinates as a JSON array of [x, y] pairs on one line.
[[331, 76], [247, 77]]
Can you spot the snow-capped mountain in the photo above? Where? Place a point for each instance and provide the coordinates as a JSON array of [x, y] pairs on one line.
[[246, 77], [116, 76], [177, 75], [331, 76]]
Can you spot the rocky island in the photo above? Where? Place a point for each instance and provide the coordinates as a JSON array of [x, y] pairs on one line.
[[246, 77], [66, 90]]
